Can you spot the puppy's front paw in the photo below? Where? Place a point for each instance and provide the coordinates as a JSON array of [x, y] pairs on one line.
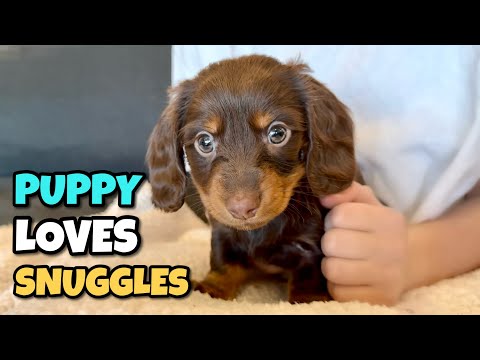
[[223, 284], [214, 290]]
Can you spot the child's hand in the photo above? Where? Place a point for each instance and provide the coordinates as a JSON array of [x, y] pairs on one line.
[[365, 247]]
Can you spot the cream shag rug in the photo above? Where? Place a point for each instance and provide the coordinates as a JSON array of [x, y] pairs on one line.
[[182, 239]]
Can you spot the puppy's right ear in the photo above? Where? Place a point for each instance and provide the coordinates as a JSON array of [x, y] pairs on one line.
[[165, 151]]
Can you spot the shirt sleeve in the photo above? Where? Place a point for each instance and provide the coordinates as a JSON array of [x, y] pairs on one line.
[[463, 171]]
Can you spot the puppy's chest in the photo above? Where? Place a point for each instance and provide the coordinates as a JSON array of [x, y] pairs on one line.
[[285, 245]]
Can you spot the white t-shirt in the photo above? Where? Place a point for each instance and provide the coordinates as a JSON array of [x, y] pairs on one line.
[[416, 111]]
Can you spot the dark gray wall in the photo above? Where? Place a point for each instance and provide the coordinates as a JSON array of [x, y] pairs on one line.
[[85, 107]]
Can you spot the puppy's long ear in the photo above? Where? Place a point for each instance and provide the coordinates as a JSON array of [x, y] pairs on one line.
[[331, 164], [165, 151]]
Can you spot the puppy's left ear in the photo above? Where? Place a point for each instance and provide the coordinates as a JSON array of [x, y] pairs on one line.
[[331, 165]]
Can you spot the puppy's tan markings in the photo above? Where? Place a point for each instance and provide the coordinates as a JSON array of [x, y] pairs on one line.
[[212, 197], [262, 120], [223, 284], [213, 125], [272, 187]]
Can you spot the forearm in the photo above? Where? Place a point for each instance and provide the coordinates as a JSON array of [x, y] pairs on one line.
[[447, 246]]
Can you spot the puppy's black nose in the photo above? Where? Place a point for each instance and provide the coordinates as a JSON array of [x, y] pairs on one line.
[[243, 206]]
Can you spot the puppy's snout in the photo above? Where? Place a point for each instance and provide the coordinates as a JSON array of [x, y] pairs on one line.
[[243, 206]]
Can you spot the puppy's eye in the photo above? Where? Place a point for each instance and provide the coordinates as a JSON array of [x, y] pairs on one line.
[[205, 143], [278, 133]]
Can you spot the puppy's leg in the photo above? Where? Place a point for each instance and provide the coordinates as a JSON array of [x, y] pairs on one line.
[[224, 283], [307, 284], [301, 260]]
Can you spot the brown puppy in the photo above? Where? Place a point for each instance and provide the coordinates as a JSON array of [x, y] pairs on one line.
[[264, 141]]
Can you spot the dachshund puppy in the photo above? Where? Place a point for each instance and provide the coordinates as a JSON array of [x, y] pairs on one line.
[[264, 140]]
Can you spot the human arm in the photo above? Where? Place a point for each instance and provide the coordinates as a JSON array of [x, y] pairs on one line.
[[447, 246]]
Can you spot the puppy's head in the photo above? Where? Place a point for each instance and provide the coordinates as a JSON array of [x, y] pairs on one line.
[[251, 128]]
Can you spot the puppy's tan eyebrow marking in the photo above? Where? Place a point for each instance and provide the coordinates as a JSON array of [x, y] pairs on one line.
[[261, 120], [213, 125]]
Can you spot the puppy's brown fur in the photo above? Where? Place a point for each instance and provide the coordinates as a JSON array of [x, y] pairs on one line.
[[235, 102]]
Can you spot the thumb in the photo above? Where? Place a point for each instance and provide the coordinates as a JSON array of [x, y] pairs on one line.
[[355, 193]]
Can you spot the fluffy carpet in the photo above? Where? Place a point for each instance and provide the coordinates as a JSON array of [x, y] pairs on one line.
[[182, 239]]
